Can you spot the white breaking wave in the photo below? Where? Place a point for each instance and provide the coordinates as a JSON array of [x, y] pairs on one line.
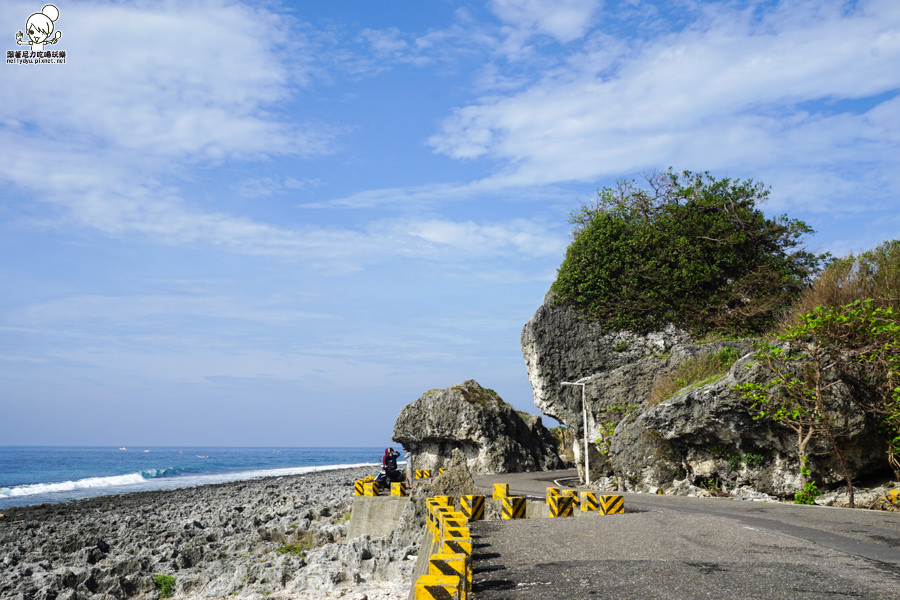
[[96, 486], [88, 483]]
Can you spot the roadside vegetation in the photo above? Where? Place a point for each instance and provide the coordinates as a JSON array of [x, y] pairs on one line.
[[844, 329], [697, 252], [694, 372]]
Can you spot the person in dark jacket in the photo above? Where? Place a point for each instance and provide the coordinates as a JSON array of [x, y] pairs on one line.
[[389, 460]]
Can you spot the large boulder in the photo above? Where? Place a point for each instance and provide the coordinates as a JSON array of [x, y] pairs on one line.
[[492, 436], [700, 436]]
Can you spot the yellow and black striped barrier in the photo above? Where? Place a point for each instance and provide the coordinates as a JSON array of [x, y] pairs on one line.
[[457, 546], [359, 487], [398, 488], [437, 515], [472, 507], [453, 565], [441, 471], [453, 520], [573, 494], [423, 473], [589, 501], [370, 488], [612, 505], [438, 587], [551, 492], [513, 507], [501, 491], [561, 506], [455, 533]]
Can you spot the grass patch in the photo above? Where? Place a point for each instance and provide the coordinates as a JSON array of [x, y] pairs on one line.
[[694, 372], [165, 585], [298, 548]]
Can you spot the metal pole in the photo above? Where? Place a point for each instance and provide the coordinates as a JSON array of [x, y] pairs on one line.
[[587, 468], [581, 382]]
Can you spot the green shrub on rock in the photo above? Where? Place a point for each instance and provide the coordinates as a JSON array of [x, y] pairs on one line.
[[690, 250], [165, 585]]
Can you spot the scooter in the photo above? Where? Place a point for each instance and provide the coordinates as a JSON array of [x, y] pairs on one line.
[[388, 476]]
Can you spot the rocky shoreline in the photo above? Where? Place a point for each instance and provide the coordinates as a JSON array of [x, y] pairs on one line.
[[265, 538]]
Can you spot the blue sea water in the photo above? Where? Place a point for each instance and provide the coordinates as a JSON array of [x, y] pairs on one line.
[[38, 474]]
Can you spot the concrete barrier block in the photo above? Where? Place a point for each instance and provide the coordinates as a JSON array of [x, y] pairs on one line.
[[551, 493], [513, 507], [438, 587], [561, 506], [501, 491], [472, 507], [457, 546], [589, 501], [573, 494], [612, 505], [452, 565]]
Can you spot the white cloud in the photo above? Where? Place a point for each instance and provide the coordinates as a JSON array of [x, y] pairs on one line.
[[725, 93], [136, 310], [192, 82], [564, 20], [519, 236]]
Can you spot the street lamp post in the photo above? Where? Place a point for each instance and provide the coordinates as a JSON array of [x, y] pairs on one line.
[[581, 382]]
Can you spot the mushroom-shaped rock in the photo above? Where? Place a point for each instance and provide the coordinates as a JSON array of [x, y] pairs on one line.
[[491, 434]]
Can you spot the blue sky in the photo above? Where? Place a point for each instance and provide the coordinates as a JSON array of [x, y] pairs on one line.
[[265, 223]]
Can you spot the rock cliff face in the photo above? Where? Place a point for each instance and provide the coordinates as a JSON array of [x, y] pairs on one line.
[[702, 436], [492, 436]]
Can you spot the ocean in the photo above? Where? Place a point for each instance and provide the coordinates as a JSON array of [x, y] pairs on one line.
[[39, 474]]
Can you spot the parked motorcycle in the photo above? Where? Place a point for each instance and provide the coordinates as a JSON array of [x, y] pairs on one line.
[[388, 476]]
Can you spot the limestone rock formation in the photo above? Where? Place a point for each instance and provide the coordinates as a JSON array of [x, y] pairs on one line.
[[492, 436], [702, 436]]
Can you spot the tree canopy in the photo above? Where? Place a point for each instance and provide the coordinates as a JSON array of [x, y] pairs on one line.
[[687, 249]]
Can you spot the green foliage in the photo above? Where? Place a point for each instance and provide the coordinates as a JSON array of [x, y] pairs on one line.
[[754, 459], [874, 275], [711, 485], [694, 372], [604, 442], [607, 429], [733, 458], [621, 347], [858, 341], [565, 439], [299, 547], [690, 250], [165, 585], [810, 492]]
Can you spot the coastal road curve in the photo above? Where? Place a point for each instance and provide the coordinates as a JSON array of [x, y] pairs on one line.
[[674, 547]]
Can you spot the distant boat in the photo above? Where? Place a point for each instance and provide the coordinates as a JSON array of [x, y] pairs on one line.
[[146, 451], [123, 448]]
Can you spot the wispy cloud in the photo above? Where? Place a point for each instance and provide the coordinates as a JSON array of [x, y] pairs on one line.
[[139, 310], [564, 20], [730, 91], [190, 82]]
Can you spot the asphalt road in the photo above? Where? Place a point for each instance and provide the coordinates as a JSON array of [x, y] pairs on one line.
[[683, 548]]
